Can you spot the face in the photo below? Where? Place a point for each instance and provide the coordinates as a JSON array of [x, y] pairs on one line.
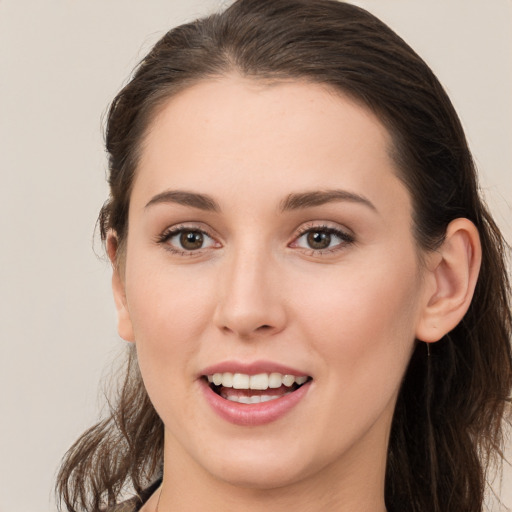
[[270, 236]]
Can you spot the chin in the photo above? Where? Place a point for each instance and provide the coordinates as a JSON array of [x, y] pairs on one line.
[[260, 477], [261, 468]]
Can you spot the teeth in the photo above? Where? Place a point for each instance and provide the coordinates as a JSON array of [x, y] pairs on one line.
[[288, 380], [256, 399], [261, 381], [227, 380], [275, 380], [240, 380]]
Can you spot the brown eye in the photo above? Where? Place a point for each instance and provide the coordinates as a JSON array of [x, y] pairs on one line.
[[187, 241], [191, 240], [318, 239], [323, 239]]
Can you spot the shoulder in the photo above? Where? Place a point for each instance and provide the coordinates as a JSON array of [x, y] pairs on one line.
[[135, 504], [131, 505]]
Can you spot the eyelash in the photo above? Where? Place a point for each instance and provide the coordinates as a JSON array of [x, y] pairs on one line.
[[345, 238], [170, 233]]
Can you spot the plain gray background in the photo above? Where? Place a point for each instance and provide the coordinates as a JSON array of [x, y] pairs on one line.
[[61, 62]]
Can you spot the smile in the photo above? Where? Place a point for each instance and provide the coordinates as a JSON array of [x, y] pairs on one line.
[[254, 389], [251, 394]]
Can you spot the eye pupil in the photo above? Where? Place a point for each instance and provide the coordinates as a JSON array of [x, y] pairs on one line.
[[319, 239], [191, 240]]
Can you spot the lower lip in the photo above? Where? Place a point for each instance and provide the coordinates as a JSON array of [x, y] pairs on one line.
[[249, 415]]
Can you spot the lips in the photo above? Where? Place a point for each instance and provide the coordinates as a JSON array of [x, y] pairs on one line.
[[253, 394]]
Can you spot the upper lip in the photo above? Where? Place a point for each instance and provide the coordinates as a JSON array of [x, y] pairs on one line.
[[251, 368]]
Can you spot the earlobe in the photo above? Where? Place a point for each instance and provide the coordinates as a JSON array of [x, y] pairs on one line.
[[124, 323], [452, 274]]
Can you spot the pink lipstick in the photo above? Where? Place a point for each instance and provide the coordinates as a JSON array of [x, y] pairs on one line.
[[252, 394]]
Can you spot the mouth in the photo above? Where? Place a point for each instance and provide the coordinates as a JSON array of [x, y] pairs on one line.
[[254, 389]]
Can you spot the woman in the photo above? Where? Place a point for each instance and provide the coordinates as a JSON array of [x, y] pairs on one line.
[[315, 296]]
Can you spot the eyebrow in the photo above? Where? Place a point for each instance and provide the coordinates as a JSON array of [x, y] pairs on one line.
[[193, 199], [319, 197], [293, 201]]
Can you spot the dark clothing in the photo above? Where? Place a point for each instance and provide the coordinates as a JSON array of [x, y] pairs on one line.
[[134, 504]]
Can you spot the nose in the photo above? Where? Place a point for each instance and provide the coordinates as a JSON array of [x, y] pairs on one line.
[[250, 303]]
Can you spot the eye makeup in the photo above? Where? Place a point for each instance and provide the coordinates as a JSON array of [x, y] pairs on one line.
[[319, 239], [316, 239]]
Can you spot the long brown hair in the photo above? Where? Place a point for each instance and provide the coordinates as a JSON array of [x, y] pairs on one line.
[[449, 416]]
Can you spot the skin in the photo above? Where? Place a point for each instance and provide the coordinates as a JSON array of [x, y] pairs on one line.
[[347, 316]]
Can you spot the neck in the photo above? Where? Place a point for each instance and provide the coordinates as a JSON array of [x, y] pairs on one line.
[[356, 486]]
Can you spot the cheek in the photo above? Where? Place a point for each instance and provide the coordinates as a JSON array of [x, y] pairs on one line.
[[364, 327], [170, 312], [166, 301], [362, 335]]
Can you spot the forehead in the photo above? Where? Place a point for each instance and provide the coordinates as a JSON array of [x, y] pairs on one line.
[[234, 133]]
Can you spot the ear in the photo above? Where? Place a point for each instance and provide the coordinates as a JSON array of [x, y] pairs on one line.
[[451, 278], [124, 323]]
